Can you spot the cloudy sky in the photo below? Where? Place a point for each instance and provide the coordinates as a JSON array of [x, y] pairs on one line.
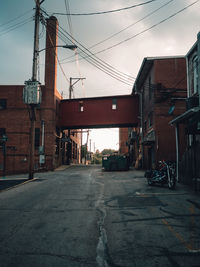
[[117, 41]]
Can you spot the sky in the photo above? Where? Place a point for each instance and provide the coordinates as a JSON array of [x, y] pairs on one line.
[[117, 41]]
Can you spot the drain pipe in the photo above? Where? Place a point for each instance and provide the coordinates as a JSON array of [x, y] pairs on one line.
[[198, 66], [141, 122]]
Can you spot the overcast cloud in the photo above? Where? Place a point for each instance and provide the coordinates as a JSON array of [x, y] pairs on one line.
[[173, 37]]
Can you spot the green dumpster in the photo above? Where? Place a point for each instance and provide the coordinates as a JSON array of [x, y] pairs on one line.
[[115, 163]]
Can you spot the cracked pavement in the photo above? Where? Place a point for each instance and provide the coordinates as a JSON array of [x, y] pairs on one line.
[[83, 216]]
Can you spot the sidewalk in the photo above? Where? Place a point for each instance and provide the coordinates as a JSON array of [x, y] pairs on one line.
[[14, 180]]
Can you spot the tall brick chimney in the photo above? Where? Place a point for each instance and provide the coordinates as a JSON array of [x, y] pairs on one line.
[[51, 54]]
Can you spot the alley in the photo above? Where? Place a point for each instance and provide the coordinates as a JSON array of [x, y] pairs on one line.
[[83, 216]]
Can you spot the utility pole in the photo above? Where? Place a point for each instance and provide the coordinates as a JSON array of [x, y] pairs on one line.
[[81, 143], [34, 78], [198, 68], [94, 148], [71, 84], [32, 90], [86, 147]]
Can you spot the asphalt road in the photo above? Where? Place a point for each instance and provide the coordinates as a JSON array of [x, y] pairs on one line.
[[83, 216]]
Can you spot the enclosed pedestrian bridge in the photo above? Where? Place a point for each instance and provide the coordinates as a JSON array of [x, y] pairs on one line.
[[99, 112]]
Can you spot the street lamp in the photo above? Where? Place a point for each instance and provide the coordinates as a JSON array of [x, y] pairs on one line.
[[71, 47]]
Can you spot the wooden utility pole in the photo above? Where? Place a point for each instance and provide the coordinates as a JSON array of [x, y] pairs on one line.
[[70, 97], [34, 78]]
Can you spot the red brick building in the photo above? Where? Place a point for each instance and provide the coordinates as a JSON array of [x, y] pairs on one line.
[[15, 122], [188, 168], [161, 85]]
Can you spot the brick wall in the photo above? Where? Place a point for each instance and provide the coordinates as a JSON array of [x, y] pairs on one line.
[[167, 89]]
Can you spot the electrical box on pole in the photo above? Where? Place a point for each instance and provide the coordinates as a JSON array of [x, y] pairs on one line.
[[32, 94]]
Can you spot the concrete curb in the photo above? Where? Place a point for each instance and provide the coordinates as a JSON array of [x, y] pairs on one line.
[[14, 186]]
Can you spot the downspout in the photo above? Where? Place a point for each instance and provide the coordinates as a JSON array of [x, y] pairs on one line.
[[177, 151], [141, 122], [198, 65]]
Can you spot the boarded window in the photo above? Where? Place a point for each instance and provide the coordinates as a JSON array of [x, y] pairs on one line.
[[114, 103]]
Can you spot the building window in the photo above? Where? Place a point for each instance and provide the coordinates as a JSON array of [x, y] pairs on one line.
[[81, 108], [37, 137], [3, 104], [2, 132], [114, 103]]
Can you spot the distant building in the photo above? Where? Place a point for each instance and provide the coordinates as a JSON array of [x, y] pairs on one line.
[[15, 122], [188, 170], [161, 85]]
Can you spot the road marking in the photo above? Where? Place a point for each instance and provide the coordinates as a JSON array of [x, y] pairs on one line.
[[177, 235]]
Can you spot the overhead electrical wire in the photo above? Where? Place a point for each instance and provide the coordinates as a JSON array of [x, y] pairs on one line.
[[86, 51], [16, 18], [129, 26], [109, 71], [98, 63], [105, 12], [75, 51], [151, 27], [15, 26]]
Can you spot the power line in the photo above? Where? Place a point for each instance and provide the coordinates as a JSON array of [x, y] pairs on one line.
[[129, 26], [106, 69], [16, 26], [23, 14], [96, 62], [86, 51], [105, 12], [153, 26], [76, 53]]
